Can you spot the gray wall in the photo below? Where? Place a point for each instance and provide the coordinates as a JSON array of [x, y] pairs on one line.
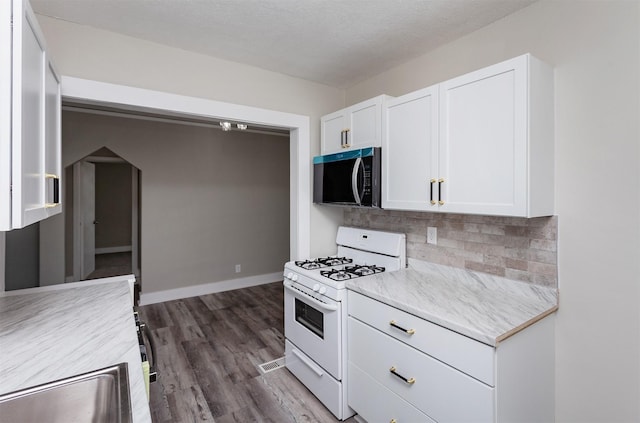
[[594, 47], [209, 199], [22, 258], [113, 205]]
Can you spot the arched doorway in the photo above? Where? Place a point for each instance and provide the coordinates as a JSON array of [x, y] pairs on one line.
[[102, 217]]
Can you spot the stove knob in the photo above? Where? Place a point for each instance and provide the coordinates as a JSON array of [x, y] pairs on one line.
[[316, 287], [289, 275], [294, 278], [323, 289]]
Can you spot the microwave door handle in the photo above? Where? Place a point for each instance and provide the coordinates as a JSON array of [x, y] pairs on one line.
[[354, 180]]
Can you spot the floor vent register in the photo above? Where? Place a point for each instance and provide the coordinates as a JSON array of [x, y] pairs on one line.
[[270, 366]]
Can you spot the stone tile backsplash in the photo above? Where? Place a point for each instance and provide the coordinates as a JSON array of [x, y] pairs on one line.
[[512, 247]]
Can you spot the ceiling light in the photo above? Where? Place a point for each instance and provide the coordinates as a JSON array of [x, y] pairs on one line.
[[241, 126], [226, 126]]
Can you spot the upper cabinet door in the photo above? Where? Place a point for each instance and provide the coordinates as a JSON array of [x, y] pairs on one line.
[[28, 172], [355, 127], [31, 180], [410, 151], [332, 128], [496, 143], [483, 142], [365, 124]]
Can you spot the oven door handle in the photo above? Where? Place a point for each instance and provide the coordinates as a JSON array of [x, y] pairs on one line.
[[303, 296]]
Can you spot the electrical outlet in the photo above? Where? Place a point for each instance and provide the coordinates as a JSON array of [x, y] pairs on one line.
[[432, 235], [238, 268]]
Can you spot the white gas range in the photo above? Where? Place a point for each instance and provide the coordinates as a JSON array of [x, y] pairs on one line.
[[315, 309]]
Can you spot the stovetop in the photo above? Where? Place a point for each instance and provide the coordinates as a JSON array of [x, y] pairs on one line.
[[351, 272], [339, 268]]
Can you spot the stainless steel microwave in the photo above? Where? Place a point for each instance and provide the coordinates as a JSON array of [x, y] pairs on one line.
[[351, 178]]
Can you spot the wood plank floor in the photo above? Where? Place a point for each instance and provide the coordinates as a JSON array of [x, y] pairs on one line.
[[208, 350]]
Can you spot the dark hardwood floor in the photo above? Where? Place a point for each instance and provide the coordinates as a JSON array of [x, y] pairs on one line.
[[208, 350]]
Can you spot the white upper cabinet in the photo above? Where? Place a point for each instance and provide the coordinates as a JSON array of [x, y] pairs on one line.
[[410, 150], [354, 127], [31, 130], [495, 148]]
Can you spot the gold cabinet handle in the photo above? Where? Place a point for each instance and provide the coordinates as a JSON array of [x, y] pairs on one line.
[[408, 381], [407, 331], [440, 182], [393, 421], [431, 182], [344, 138]]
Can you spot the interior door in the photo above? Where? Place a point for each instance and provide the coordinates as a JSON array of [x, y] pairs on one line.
[[88, 220]]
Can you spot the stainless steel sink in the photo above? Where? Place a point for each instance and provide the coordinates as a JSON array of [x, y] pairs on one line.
[[98, 396]]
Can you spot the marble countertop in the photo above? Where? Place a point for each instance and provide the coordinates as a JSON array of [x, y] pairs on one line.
[[55, 332], [486, 308]]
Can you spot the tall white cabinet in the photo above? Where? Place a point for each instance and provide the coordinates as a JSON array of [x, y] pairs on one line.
[[30, 109], [481, 143]]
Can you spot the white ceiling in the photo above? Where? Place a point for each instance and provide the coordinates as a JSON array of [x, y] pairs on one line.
[[333, 42]]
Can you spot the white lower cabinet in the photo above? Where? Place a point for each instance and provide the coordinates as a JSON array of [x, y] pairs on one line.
[[379, 404], [402, 368]]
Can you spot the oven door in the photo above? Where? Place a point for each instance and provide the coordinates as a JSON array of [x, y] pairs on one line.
[[313, 326]]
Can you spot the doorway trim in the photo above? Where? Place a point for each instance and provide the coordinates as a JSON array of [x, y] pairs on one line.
[[90, 92]]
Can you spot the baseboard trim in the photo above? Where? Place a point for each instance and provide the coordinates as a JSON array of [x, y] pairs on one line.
[[109, 250], [208, 288]]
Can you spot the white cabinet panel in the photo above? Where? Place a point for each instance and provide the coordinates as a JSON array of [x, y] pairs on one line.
[[483, 144], [410, 151], [491, 138], [357, 126], [441, 392], [377, 403], [465, 354], [332, 128], [30, 173], [28, 126]]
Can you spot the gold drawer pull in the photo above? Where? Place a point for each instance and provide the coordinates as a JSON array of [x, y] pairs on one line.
[[408, 331], [440, 182], [393, 421], [408, 381]]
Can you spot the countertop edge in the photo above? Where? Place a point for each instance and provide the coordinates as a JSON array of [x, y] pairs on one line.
[[531, 303]]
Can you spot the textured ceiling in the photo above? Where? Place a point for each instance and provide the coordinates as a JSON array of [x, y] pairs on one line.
[[333, 42]]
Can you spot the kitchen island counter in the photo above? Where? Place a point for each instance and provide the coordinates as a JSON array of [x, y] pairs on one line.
[[483, 307], [54, 332]]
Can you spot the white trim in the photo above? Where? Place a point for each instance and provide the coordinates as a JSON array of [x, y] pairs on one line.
[[77, 220], [208, 288], [110, 250], [128, 98], [135, 219]]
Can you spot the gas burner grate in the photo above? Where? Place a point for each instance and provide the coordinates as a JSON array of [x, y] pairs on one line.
[[322, 262], [309, 264], [334, 261], [337, 274], [364, 270]]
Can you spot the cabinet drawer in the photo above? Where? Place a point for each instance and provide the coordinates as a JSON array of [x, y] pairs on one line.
[[438, 390], [465, 354], [377, 404]]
